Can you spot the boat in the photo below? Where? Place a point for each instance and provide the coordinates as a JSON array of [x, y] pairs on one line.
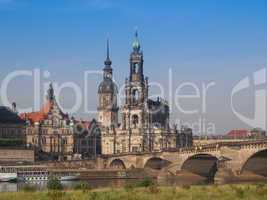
[[37, 176], [8, 177], [33, 176], [69, 178]]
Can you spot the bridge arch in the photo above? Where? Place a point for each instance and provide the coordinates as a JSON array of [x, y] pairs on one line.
[[204, 165], [256, 163], [117, 164], [156, 163]]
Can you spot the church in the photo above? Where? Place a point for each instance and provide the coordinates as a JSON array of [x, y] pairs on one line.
[[144, 125]]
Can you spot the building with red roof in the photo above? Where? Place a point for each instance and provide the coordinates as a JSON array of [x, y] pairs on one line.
[[50, 130], [246, 134], [238, 134]]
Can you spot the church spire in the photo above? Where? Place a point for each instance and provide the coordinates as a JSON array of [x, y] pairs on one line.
[[107, 69], [136, 43], [108, 48], [108, 61]]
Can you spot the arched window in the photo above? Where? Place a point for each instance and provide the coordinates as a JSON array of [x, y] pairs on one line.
[[135, 120], [136, 68], [136, 96], [44, 140]]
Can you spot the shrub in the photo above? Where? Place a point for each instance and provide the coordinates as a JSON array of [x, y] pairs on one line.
[[84, 186], [93, 196], [186, 187], [260, 185], [54, 184], [128, 187], [146, 182], [240, 193], [260, 189], [153, 189]]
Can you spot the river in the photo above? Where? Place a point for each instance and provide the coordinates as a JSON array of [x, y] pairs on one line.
[[14, 187], [184, 178]]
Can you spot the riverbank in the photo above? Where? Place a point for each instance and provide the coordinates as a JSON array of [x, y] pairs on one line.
[[225, 192]]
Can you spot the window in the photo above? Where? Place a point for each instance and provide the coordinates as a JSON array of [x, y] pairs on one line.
[[136, 96], [134, 149], [44, 140], [136, 68], [135, 121]]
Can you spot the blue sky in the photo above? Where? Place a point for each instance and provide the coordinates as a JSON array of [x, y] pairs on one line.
[[200, 40]]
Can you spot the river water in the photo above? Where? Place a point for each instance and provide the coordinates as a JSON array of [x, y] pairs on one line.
[[181, 179], [14, 187]]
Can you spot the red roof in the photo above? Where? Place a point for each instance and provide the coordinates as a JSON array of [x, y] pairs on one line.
[[38, 116], [238, 133]]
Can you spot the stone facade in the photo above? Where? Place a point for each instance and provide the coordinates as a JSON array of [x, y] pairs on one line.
[[88, 139], [17, 155], [145, 122], [50, 131]]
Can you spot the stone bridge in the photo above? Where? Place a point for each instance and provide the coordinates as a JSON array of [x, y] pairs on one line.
[[212, 161], [203, 160]]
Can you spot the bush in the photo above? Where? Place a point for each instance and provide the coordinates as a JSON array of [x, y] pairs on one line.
[[93, 196], [146, 182], [128, 187], [186, 187], [54, 184], [84, 186], [260, 185], [240, 193], [260, 189], [153, 189]]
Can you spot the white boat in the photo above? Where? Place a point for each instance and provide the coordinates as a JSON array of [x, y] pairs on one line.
[[8, 177], [69, 177], [37, 176]]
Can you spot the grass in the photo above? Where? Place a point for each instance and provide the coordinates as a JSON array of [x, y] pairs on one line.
[[226, 192]]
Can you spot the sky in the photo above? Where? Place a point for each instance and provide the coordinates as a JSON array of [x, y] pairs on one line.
[[199, 42]]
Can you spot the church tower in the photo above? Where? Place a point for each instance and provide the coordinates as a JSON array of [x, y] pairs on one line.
[[107, 93], [136, 91]]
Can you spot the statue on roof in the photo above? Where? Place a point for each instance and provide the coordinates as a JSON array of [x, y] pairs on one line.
[[50, 93]]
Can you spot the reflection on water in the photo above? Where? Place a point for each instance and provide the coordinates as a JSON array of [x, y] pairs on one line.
[[14, 187], [8, 187], [179, 179]]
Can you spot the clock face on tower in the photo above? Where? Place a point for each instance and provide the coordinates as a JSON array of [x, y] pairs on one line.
[[108, 75]]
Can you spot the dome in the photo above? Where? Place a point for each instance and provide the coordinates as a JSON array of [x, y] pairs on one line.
[[107, 86]]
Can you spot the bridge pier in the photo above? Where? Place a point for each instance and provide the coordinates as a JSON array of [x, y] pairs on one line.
[[223, 175]]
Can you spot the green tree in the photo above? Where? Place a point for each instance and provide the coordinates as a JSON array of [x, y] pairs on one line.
[[54, 183]]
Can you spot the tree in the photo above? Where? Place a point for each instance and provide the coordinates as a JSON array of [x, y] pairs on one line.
[[54, 183]]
